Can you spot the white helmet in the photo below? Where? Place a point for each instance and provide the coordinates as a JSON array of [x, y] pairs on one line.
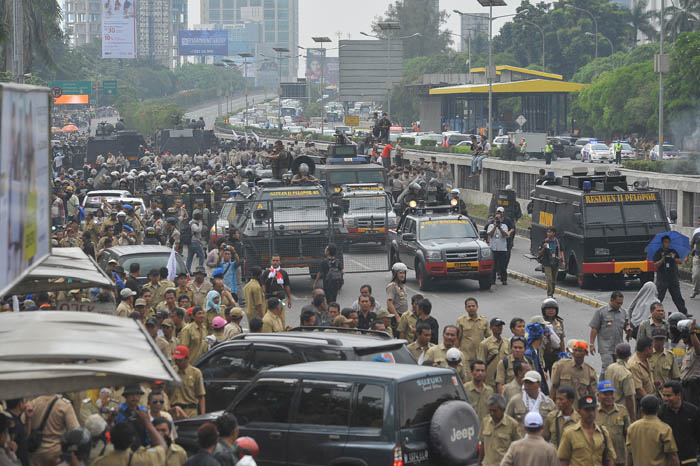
[[399, 267]]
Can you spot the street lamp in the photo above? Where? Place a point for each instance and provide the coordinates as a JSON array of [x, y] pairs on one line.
[[280, 50], [612, 49], [541, 32], [322, 40], [595, 24], [469, 46], [245, 56]]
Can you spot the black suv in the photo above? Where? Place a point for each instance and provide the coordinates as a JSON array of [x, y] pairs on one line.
[[230, 365], [353, 414]]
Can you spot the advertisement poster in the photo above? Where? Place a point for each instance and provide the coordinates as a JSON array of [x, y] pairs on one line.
[[203, 43], [24, 180], [315, 59], [118, 29]]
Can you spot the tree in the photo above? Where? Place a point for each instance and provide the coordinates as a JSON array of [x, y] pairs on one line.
[[416, 16], [640, 17], [683, 18], [41, 29]]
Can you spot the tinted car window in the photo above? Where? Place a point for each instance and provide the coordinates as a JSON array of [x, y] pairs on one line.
[[231, 363], [268, 401], [369, 410], [420, 398], [324, 403], [397, 356], [148, 262], [323, 354], [269, 357]]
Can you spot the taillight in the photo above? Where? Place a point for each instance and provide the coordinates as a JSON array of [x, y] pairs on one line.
[[398, 456]]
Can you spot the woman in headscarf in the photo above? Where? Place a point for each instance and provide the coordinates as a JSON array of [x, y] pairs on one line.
[[213, 309], [639, 308], [535, 336]]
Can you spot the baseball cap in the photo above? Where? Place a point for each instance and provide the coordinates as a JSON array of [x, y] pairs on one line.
[[218, 271], [140, 302], [659, 333], [605, 386], [533, 420], [218, 322], [500, 209], [533, 376], [236, 312], [181, 352], [200, 270], [383, 313], [587, 402], [453, 355], [496, 321], [127, 293], [167, 323], [132, 388]]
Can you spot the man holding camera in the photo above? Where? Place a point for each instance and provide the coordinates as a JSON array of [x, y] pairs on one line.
[[498, 235], [666, 261]]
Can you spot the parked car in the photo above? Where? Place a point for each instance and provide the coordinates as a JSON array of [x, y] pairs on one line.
[[500, 141], [147, 256], [670, 153], [94, 199], [595, 152], [626, 154], [575, 151], [231, 365], [560, 146], [353, 413]]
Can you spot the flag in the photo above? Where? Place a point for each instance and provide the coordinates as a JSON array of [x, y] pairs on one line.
[[257, 139], [82, 213], [234, 133], [172, 265], [15, 304], [246, 137]]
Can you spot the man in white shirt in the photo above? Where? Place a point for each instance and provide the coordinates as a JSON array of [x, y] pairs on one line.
[[498, 239]]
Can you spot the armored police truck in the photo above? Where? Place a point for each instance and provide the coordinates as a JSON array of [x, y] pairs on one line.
[[603, 224]]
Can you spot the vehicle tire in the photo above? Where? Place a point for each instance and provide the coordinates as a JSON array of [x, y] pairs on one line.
[[424, 281], [585, 281], [646, 277], [485, 282], [454, 433], [392, 258]]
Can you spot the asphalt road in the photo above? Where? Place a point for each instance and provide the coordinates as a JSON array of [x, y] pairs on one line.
[[210, 110]]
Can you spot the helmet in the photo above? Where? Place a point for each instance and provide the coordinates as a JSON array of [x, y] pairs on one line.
[[455, 191], [159, 189], [303, 168], [509, 187], [676, 317], [157, 212], [549, 303], [150, 231], [415, 187], [198, 190], [107, 179], [78, 441], [93, 172], [185, 188], [399, 267], [247, 446]]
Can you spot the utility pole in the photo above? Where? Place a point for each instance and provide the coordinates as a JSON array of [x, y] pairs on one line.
[[18, 41], [661, 65], [322, 40], [245, 57]]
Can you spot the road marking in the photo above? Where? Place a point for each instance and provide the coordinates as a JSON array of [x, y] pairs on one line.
[[350, 259]]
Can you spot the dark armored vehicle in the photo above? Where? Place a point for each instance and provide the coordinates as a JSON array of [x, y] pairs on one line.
[[107, 140]]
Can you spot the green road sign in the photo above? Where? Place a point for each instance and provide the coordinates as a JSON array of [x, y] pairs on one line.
[[73, 87], [109, 87]]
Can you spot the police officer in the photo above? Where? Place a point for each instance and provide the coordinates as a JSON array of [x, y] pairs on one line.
[[650, 440], [586, 443], [618, 152], [662, 361], [609, 324], [614, 417], [187, 400], [548, 153], [454, 194], [666, 261]]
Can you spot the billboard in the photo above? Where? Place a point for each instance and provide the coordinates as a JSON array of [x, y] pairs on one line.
[[72, 92], [24, 181], [118, 29], [203, 43], [368, 69], [315, 60]]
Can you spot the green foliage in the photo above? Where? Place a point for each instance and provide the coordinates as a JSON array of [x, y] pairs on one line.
[[407, 141], [148, 117], [428, 143], [690, 166], [642, 54], [462, 150]]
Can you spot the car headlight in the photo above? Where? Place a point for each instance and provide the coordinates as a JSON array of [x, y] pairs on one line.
[[486, 253], [433, 255]]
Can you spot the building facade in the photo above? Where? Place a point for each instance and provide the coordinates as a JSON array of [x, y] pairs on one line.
[[471, 26], [153, 30], [82, 21]]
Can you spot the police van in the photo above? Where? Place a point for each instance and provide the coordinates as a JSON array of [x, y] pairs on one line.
[[603, 225], [368, 213]]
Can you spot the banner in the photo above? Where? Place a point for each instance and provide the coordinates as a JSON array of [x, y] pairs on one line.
[[118, 29], [203, 43], [24, 180], [315, 60]]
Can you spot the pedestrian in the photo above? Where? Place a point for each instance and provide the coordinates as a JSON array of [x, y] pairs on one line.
[[438, 353], [498, 431], [53, 416], [690, 366], [422, 343], [386, 155], [533, 351], [620, 376], [225, 451], [641, 370], [655, 321], [8, 456], [515, 386], [473, 328], [194, 335], [586, 443], [478, 392], [575, 372], [557, 421], [555, 324], [409, 320], [533, 449], [551, 256], [609, 324], [195, 245], [530, 400], [504, 369], [684, 420], [497, 234], [207, 440], [175, 455], [695, 248], [618, 152], [365, 316], [277, 285], [396, 301], [122, 438], [662, 361], [331, 272], [21, 414], [493, 349], [254, 295], [425, 307], [615, 418], [649, 440], [233, 325], [483, 152], [666, 261], [187, 399], [272, 321]]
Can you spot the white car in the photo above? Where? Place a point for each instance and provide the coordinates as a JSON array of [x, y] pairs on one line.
[[595, 152], [627, 152], [94, 199], [500, 141], [670, 153]]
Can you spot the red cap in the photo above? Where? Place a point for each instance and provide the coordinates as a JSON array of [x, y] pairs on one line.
[[189, 311], [181, 352]]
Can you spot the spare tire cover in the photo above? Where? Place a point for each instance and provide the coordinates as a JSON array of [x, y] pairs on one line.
[[454, 432]]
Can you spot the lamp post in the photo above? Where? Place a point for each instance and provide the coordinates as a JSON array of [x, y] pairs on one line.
[[612, 49], [469, 45], [541, 32], [322, 40], [245, 56], [280, 50], [595, 25]]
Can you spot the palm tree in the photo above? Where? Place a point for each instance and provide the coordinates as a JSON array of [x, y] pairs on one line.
[[640, 17], [41, 28], [683, 18]]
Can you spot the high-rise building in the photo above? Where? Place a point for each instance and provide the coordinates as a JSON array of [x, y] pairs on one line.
[[472, 25], [82, 21], [278, 19], [153, 24]]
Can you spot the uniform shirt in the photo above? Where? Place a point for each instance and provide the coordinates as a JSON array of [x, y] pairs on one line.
[[685, 425], [616, 421], [478, 399], [254, 296], [517, 410], [473, 331], [555, 423], [164, 347], [648, 325], [690, 367], [157, 291], [191, 389], [438, 354], [272, 323], [504, 371], [142, 457], [622, 380], [582, 379], [124, 310], [61, 419], [231, 330], [419, 352], [576, 447], [497, 437], [664, 368], [649, 440], [491, 351], [397, 294], [175, 455], [642, 375], [530, 451], [184, 292], [407, 325], [610, 325], [194, 338], [199, 292], [511, 388]]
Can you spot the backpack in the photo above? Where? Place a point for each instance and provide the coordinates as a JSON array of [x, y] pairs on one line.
[[333, 276], [186, 234]]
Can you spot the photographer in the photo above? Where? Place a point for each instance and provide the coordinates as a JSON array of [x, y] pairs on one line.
[[666, 262], [128, 412], [690, 366], [551, 257], [498, 240]]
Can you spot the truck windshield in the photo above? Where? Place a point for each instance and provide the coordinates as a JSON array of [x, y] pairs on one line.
[[633, 213], [645, 213], [444, 229], [369, 203], [603, 214], [339, 178]]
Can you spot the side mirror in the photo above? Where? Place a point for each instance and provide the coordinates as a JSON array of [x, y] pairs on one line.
[[337, 211], [409, 237], [673, 215]]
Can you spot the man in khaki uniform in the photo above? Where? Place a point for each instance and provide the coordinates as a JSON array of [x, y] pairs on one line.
[[199, 287], [477, 391], [498, 431], [272, 322], [188, 397], [254, 296], [175, 455], [438, 353], [122, 436], [515, 386], [156, 288], [473, 329], [533, 449], [420, 347], [575, 373], [641, 370], [662, 361], [493, 349], [586, 443], [168, 328], [622, 379], [504, 369], [614, 418], [650, 441], [408, 322], [169, 301], [194, 335], [126, 307], [60, 419], [557, 421], [531, 400]]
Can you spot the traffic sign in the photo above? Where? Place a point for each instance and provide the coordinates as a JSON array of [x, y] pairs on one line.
[[521, 120], [352, 120], [56, 92], [109, 87], [73, 87]]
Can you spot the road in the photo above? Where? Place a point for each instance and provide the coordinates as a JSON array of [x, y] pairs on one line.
[[210, 110]]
